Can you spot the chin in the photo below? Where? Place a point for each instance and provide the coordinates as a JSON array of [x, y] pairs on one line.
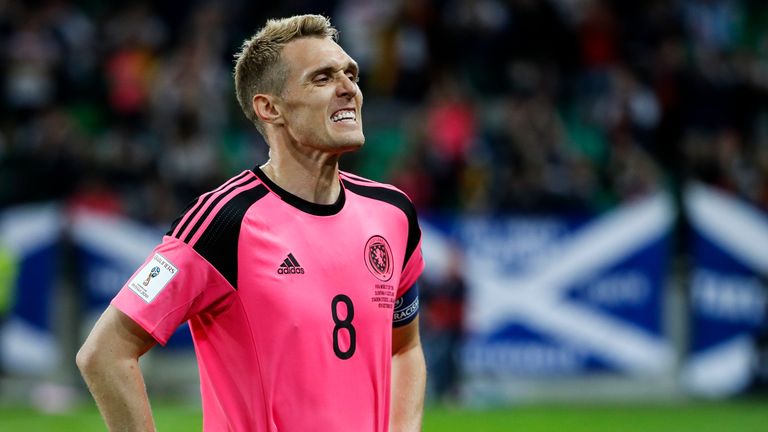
[[351, 146], [351, 143]]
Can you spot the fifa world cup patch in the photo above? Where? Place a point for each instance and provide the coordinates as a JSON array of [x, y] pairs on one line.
[[153, 277]]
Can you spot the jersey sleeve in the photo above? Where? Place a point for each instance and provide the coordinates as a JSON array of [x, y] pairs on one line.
[[174, 284], [413, 269], [407, 300], [413, 261]]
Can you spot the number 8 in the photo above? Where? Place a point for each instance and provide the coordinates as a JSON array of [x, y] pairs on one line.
[[346, 323]]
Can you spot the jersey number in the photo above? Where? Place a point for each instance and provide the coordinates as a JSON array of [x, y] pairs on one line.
[[345, 323]]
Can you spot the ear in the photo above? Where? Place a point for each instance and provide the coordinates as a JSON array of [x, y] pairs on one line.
[[266, 109]]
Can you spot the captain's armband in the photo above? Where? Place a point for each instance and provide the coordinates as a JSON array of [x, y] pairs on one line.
[[406, 307]]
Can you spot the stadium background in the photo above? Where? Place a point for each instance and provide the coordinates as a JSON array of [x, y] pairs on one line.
[[531, 126]]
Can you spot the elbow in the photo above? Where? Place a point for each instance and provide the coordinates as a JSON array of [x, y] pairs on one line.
[[86, 358]]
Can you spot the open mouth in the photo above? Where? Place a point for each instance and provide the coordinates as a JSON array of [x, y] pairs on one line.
[[344, 115]]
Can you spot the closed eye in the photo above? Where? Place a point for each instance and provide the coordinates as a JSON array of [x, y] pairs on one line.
[[321, 78]]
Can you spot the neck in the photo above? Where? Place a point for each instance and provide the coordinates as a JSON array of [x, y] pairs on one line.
[[312, 177]]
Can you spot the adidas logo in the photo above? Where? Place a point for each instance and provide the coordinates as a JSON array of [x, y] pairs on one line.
[[290, 266]]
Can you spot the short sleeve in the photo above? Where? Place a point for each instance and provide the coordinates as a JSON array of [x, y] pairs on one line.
[[174, 284], [407, 301], [413, 269]]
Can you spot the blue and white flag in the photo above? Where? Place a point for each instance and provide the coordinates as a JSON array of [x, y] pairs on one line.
[[729, 245], [30, 239], [561, 296]]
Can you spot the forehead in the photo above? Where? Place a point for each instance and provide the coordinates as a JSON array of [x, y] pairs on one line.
[[307, 54]]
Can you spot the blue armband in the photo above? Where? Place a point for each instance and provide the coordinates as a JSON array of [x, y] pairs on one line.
[[406, 306]]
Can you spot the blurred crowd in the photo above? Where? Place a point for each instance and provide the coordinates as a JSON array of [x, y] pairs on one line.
[[471, 105]]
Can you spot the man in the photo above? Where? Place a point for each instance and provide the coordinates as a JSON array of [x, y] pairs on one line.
[[298, 280]]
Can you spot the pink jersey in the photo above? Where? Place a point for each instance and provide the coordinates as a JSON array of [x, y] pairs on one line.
[[291, 304]]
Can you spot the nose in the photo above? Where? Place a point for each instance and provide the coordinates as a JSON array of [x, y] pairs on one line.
[[346, 88]]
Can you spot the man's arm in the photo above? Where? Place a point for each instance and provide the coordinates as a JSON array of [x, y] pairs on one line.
[[109, 363], [409, 377]]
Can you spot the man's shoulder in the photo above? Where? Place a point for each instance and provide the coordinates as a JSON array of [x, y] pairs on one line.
[[217, 206], [387, 195], [383, 193], [211, 223], [375, 190], [243, 178]]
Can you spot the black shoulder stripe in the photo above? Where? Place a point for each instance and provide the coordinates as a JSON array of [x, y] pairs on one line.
[[218, 244], [356, 178], [203, 201], [399, 200], [181, 216], [210, 208]]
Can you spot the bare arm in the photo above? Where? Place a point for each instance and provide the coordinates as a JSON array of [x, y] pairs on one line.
[[109, 363], [409, 377]]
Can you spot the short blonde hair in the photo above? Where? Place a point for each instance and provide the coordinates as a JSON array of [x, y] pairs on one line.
[[258, 66]]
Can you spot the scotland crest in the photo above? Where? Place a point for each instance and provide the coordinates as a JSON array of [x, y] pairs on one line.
[[378, 258]]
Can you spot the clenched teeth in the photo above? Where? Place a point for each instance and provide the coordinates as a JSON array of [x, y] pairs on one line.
[[343, 115]]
